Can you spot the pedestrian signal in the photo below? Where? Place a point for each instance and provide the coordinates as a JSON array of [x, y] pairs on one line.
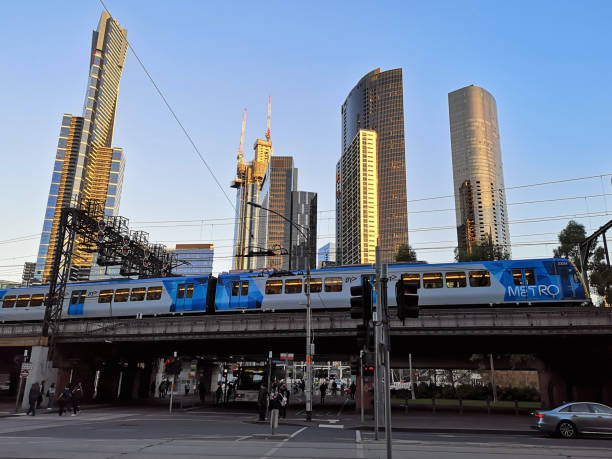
[[407, 297], [361, 300]]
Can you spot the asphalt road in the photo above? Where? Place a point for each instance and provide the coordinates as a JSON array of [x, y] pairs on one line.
[[152, 433]]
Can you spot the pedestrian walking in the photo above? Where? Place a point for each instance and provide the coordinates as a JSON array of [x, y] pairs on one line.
[[284, 400], [42, 391], [50, 396], [323, 390], [219, 393], [33, 398], [77, 397], [152, 389], [262, 397], [64, 399], [334, 387], [353, 389], [162, 389], [202, 390]]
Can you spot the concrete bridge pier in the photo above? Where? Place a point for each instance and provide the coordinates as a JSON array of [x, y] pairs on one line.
[[42, 370]]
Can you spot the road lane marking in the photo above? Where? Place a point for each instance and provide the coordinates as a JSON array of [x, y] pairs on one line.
[[280, 443], [358, 444], [332, 426]]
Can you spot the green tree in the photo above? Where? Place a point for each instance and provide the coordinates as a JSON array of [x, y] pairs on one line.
[[405, 253], [482, 251], [601, 275], [570, 238]]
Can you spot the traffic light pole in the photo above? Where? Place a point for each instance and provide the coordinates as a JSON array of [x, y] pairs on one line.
[[377, 373], [385, 348], [361, 383]]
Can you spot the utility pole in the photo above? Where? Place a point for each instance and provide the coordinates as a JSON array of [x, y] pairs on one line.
[[361, 383], [411, 380], [377, 369], [385, 349]]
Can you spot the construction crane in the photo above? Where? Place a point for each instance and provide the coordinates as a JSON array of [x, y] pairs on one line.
[[269, 113]]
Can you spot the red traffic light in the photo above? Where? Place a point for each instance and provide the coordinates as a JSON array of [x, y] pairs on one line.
[[100, 236], [125, 251], [101, 225], [147, 253], [126, 240]]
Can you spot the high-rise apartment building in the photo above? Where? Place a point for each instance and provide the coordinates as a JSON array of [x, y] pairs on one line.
[[304, 214], [28, 272], [478, 178], [357, 198], [248, 182], [87, 166], [377, 103]]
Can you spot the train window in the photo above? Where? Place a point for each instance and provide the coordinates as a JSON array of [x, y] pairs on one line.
[[274, 287], [530, 276], [138, 294], [333, 284], [315, 285], [106, 296], [456, 280], [23, 300], [9, 301], [245, 288], [189, 291], [517, 276], [432, 280], [480, 279], [576, 278], [154, 293], [412, 278], [181, 291], [235, 288], [74, 299], [37, 299], [121, 295], [293, 286]]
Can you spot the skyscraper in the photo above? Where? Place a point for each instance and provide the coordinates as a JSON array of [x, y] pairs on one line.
[[304, 214], [357, 198], [198, 258], [478, 177], [327, 255], [86, 165], [377, 103]]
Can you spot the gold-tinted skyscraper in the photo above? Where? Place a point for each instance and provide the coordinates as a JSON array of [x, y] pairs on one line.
[[357, 200], [478, 176], [377, 103], [86, 164]]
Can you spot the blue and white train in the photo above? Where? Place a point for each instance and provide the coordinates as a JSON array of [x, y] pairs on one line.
[[453, 285]]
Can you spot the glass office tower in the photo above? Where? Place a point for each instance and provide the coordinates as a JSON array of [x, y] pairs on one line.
[[377, 103], [478, 176]]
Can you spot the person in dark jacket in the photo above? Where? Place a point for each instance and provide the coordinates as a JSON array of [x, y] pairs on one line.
[[77, 397], [33, 398], [323, 390], [353, 389], [219, 393], [202, 390], [51, 395], [42, 392], [64, 399], [261, 402]]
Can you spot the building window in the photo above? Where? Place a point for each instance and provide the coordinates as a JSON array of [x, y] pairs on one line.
[[432, 280], [154, 293], [480, 279], [274, 287], [293, 286], [106, 296], [333, 284], [456, 280], [121, 295], [138, 294]]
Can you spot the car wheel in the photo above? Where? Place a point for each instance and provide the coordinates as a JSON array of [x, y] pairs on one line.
[[566, 429]]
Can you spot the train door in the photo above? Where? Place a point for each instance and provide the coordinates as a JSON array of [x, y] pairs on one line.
[[567, 289], [184, 297], [77, 300], [239, 297], [525, 283]]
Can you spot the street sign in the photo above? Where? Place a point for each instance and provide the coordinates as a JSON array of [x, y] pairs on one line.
[[26, 366], [285, 356], [24, 373]]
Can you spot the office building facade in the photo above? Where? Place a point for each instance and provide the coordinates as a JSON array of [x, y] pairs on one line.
[[478, 178], [377, 103], [87, 166], [304, 214], [357, 198], [197, 259], [326, 255]]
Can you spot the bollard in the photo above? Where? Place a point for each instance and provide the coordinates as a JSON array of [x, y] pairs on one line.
[[273, 420], [460, 406], [516, 407], [433, 404]]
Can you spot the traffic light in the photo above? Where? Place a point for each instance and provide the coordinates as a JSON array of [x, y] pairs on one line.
[[173, 366], [101, 228], [368, 369], [362, 336], [125, 250], [361, 300], [407, 297]]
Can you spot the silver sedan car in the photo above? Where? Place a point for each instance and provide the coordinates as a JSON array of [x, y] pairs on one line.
[[572, 419]]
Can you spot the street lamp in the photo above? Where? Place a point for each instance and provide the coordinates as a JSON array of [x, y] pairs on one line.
[[301, 229]]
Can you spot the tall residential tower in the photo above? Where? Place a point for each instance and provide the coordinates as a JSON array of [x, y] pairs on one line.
[[478, 177], [377, 103], [87, 166]]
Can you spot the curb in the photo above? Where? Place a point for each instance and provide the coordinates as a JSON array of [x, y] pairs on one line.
[[450, 430]]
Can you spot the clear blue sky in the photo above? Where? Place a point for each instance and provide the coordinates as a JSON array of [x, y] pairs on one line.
[[546, 63]]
